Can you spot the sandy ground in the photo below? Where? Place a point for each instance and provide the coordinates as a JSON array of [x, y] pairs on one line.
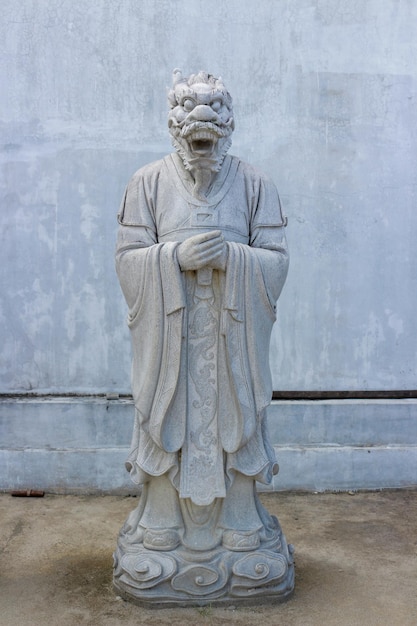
[[356, 563]]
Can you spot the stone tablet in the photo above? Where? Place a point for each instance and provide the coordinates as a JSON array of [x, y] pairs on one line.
[[201, 259]]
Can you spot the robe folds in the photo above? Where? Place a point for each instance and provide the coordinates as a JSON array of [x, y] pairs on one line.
[[200, 373]]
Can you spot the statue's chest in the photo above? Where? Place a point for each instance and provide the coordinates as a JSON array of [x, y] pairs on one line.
[[178, 218]]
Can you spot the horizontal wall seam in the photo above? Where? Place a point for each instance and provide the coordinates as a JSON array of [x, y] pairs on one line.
[[359, 394], [66, 449], [335, 446], [286, 446]]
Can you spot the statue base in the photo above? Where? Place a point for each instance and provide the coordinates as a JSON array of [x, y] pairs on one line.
[[217, 577]]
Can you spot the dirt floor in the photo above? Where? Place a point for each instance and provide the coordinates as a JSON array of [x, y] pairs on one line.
[[356, 563]]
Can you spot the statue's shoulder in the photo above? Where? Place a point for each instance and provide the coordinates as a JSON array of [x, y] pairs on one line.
[[148, 171], [249, 171]]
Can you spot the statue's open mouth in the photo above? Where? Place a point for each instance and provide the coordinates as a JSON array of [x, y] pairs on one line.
[[202, 142], [202, 146], [202, 137]]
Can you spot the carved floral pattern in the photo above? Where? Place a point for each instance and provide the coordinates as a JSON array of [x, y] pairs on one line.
[[228, 574], [145, 569], [202, 468], [199, 580]]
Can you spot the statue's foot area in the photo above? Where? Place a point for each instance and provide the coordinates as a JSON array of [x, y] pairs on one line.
[[224, 575]]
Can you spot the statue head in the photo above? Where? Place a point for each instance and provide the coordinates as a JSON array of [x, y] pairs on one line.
[[200, 119]]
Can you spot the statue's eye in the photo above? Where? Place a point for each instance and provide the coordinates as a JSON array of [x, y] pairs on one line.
[[216, 105], [188, 104]]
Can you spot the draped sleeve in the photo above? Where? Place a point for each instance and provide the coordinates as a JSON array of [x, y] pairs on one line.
[[152, 284]]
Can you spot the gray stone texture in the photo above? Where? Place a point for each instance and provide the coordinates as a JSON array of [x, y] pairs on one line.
[[201, 259]]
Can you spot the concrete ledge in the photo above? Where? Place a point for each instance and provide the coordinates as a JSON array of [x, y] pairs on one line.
[[345, 468], [78, 445], [344, 422]]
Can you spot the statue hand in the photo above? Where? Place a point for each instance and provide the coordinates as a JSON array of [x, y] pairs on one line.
[[203, 250]]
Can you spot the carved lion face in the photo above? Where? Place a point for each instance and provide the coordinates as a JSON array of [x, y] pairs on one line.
[[201, 119]]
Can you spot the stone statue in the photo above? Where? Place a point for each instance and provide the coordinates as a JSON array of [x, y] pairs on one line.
[[201, 260]]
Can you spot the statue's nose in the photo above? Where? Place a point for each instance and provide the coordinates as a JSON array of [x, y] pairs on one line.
[[202, 113]]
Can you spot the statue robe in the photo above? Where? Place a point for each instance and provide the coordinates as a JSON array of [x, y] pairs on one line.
[[200, 372]]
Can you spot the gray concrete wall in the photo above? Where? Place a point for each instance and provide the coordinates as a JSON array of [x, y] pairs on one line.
[[325, 96], [79, 445], [325, 103]]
